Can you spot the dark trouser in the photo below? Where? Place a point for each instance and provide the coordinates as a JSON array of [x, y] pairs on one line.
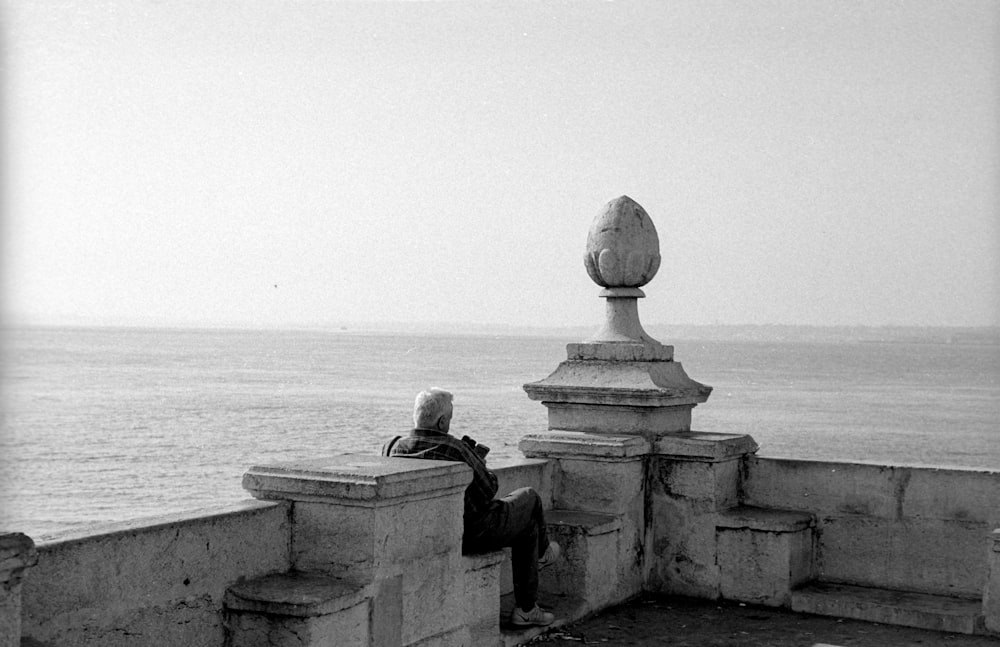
[[517, 520]]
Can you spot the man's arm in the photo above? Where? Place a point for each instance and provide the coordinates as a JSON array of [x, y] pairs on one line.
[[484, 479]]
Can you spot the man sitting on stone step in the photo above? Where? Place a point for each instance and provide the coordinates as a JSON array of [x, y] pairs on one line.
[[516, 520]]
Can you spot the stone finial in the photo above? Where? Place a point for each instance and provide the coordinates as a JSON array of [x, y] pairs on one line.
[[623, 250], [623, 253]]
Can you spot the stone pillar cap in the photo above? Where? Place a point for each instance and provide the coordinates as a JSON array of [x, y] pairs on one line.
[[354, 477]]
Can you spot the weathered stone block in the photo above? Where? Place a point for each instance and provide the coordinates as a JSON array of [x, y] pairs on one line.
[[703, 446], [684, 546], [433, 596], [590, 567], [607, 487], [716, 483], [297, 610], [967, 495], [351, 538], [763, 554]]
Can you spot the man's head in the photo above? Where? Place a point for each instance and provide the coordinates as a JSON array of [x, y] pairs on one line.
[[433, 409]]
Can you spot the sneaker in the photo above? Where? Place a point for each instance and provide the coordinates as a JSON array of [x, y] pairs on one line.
[[551, 555], [535, 617]]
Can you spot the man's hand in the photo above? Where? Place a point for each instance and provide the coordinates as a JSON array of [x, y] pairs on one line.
[[480, 449]]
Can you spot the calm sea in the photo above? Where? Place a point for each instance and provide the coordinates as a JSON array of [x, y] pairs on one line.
[[113, 424]]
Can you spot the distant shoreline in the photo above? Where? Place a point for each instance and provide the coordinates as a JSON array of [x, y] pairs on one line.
[[665, 333]]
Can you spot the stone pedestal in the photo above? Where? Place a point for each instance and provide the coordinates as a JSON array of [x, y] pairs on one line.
[[17, 553], [628, 404], [365, 519]]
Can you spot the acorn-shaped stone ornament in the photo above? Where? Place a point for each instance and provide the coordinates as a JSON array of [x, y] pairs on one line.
[[623, 250]]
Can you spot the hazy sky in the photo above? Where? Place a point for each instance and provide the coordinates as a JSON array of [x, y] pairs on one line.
[[271, 162]]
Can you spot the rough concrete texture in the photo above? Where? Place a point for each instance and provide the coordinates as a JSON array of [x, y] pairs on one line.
[[161, 579], [713, 482], [762, 566], [620, 352], [295, 594], [684, 622], [991, 592], [433, 596], [608, 487], [349, 626], [587, 568], [482, 597], [10, 616]]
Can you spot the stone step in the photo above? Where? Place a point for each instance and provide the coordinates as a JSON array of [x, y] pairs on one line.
[[921, 610], [296, 610], [588, 567], [763, 554]]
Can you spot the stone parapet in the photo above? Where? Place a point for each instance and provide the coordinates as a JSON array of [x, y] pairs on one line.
[[884, 526], [162, 578]]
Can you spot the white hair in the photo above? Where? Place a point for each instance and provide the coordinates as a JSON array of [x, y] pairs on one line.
[[429, 406]]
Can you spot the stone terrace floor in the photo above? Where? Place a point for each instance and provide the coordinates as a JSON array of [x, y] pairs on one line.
[[664, 620]]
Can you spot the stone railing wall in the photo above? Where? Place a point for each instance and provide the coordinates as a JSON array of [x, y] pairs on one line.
[[156, 581], [163, 581], [897, 527]]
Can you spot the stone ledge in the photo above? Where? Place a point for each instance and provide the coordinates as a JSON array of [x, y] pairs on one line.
[[904, 608], [581, 444], [700, 445], [297, 595], [764, 519], [590, 523]]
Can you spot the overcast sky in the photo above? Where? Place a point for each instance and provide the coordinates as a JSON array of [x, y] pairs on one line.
[[276, 163]]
